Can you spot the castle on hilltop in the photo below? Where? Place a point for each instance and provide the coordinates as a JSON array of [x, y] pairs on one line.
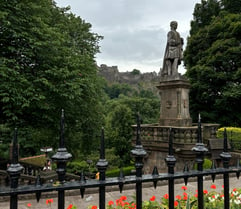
[[112, 75]]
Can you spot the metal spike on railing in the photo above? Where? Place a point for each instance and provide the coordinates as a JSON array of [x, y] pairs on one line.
[[102, 165], [225, 141], [199, 139], [170, 142], [225, 155], [38, 184], [155, 174], [61, 157], [185, 170], [213, 167], [61, 141], [15, 169], [238, 167], [121, 180], [138, 130], [102, 144], [82, 181], [138, 152]]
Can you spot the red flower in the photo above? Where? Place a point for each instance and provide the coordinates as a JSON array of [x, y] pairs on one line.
[[123, 198], [184, 197], [235, 189], [184, 188], [49, 201], [184, 194], [29, 205], [94, 207], [213, 186], [175, 203], [179, 197], [70, 206], [152, 198], [111, 203], [166, 196], [205, 191], [196, 195], [118, 201]]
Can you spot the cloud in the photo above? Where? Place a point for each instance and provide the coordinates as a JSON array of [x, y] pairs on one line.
[[134, 30]]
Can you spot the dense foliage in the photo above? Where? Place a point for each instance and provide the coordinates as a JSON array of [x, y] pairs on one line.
[[46, 64], [233, 135], [121, 113], [212, 58]]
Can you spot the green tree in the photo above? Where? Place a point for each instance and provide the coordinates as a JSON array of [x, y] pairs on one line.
[[114, 90], [46, 64], [212, 58], [119, 132]]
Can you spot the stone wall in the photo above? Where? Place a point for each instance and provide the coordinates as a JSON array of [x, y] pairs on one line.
[[155, 140]]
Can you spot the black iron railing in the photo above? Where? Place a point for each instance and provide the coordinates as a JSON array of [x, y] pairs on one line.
[[62, 156]]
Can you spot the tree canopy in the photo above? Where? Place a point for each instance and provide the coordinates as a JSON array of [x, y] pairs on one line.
[[212, 58], [47, 64]]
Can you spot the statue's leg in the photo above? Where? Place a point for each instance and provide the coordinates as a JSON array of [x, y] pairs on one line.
[[175, 66], [169, 67]]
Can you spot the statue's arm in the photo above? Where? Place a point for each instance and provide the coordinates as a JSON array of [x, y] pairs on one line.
[[171, 39]]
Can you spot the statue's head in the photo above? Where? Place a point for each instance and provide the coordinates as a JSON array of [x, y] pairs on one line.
[[173, 24]]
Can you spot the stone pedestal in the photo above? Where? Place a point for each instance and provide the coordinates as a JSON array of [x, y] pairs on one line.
[[174, 104]]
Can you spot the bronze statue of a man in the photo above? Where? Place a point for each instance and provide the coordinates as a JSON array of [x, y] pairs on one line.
[[173, 53]]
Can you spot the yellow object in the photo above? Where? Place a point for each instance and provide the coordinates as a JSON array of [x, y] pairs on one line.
[[97, 175]]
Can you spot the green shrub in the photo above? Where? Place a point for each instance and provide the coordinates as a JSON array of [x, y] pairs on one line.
[[232, 132], [77, 167], [116, 172], [207, 164], [233, 135]]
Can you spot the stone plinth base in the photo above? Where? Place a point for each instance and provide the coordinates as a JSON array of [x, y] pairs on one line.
[[174, 101], [175, 122]]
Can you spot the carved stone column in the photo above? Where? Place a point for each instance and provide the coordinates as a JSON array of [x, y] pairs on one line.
[[174, 104]]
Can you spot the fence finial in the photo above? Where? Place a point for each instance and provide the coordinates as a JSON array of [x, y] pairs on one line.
[[225, 141], [61, 141], [170, 143], [62, 156], [102, 144], [15, 169], [138, 129], [199, 138]]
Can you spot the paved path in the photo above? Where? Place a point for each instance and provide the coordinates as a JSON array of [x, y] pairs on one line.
[[93, 199]]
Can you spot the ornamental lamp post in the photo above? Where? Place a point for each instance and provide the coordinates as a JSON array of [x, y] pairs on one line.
[[46, 150]]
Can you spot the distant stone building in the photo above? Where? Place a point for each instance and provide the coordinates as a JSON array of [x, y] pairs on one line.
[[112, 75]]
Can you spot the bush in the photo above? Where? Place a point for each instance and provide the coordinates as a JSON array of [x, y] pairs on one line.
[[207, 164], [232, 132], [76, 167], [116, 172], [233, 135]]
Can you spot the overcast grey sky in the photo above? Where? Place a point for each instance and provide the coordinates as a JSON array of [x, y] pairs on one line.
[[135, 31]]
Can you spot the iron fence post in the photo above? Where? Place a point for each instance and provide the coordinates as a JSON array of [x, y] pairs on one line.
[[14, 171], [225, 155], [139, 153], [61, 157], [200, 150], [170, 161], [102, 165]]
